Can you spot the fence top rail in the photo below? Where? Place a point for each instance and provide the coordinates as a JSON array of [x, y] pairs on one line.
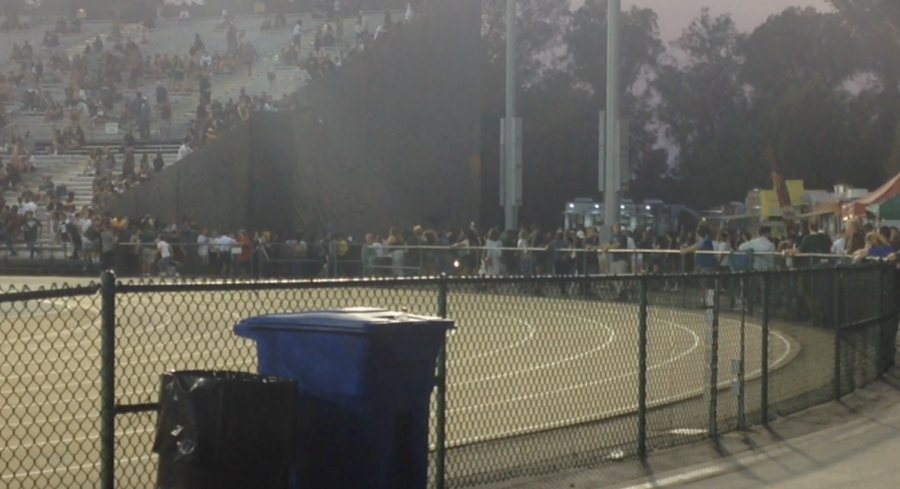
[[789, 253], [175, 285], [54, 292]]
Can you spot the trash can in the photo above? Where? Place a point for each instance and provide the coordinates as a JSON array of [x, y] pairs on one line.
[[225, 430], [365, 378]]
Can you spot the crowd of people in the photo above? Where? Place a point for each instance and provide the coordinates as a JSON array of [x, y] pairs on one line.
[[101, 86], [416, 251], [328, 50]]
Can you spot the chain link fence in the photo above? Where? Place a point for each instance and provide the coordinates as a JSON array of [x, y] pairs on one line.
[[49, 387], [542, 374]]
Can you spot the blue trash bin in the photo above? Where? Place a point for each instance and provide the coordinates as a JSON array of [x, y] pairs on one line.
[[365, 378]]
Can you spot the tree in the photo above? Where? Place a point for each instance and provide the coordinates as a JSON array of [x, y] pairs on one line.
[[796, 45], [586, 41], [704, 110], [875, 26], [540, 27]]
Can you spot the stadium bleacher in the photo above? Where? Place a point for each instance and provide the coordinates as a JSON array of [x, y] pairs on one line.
[[168, 37]]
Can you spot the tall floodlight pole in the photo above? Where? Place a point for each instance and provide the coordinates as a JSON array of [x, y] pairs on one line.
[[510, 181], [613, 61]]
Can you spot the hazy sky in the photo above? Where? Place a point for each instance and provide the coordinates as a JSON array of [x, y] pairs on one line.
[[675, 15]]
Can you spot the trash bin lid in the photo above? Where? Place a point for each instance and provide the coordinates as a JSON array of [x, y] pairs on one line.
[[358, 320]]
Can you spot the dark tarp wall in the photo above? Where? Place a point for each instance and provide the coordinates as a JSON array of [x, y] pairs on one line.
[[392, 139], [209, 186], [404, 120]]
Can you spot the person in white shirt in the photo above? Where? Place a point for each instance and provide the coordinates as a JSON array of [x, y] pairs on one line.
[[297, 34], [203, 248], [226, 243], [28, 206], [762, 248], [165, 255], [839, 247], [722, 245], [183, 150], [637, 263], [525, 264]]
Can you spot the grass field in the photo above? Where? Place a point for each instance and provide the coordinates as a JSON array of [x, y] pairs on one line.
[[516, 365]]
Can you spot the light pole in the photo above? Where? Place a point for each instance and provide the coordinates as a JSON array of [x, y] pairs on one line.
[[613, 60], [510, 166]]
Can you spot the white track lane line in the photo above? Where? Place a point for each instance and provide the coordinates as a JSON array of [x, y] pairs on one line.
[[9, 448], [610, 338], [72, 468], [656, 402], [528, 337], [589, 384]]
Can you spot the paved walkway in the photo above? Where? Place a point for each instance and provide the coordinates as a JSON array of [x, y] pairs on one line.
[[851, 444]]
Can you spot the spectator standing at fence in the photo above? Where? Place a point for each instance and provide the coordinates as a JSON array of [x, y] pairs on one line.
[[244, 244], [876, 247], [618, 262], [762, 248], [814, 243], [855, 238], [31, 231], [108, 243], [396, 245], [90, 236], [165, 255], [203, 249], [227, 253], [591, 245], [492, 254], [705, 260], [722, 246], [148, 251]]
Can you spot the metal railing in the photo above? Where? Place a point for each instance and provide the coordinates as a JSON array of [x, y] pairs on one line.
[[333, 260], [542, 373]]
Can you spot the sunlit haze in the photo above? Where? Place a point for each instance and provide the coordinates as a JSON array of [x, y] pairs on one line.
[[675, 15]]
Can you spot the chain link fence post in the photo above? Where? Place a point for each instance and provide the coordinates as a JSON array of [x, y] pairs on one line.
[[742, 365], [642, 370], [441, 394], [764, 381], [107, 380], [712, 306], [884, 350], [837, 278]]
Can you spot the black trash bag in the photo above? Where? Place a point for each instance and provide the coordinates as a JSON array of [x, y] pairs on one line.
[[225, 430]]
